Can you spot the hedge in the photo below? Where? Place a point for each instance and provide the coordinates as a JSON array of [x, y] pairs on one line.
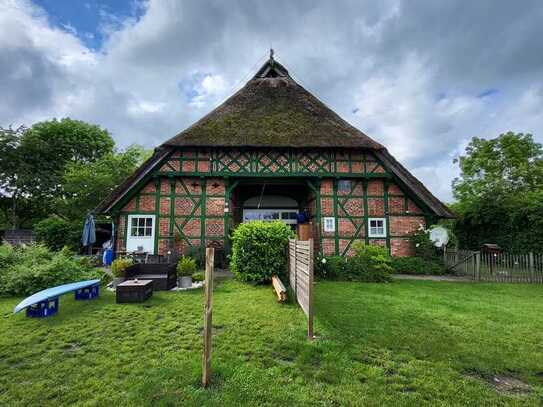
[[259, 250]]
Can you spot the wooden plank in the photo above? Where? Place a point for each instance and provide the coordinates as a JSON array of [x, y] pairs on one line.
[[208, 320], [280, 289]]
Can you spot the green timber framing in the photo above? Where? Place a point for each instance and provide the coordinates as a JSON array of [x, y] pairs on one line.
[[233, 164]]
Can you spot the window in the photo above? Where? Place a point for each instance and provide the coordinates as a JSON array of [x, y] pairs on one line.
[[329, 224], [287, 216], [141, 226], [344, 185], [377, 227]]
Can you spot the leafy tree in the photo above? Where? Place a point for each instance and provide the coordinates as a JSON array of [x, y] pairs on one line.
[[56, 233], [85, 185], [33, 162], [500, 193], [510, 163]]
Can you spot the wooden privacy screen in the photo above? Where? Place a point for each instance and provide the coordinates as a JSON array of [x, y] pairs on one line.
[[300, 275]]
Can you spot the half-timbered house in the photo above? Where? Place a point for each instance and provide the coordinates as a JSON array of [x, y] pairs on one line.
[[268, 152]]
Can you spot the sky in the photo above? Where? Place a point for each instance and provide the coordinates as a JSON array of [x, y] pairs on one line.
[[421, 77]]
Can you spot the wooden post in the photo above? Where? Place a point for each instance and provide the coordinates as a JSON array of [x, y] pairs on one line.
[[310, 333], [208, 324], [531, 265], [477, 265]]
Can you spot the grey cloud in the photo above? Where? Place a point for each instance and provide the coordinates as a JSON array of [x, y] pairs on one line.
[[406, 72]]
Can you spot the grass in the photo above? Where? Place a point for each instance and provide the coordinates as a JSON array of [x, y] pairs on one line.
[[405, 343]]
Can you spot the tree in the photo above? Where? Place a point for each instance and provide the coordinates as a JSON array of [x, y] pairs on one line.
[[500, 193], [509, 164], [33, 162], [85, 185]]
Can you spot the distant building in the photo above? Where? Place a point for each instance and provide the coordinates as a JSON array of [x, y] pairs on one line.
[[18, 237], [268, 152]]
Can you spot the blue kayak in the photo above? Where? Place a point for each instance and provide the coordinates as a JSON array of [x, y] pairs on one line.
[[53, 292]]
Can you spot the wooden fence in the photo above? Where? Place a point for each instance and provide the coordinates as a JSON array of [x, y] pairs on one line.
[[497, 267], [300, 275]]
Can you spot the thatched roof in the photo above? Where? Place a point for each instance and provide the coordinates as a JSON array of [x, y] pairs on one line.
[[272, 110]]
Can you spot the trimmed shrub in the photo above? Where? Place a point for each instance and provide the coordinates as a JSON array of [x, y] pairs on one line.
[[259, 250], [369, 264], [118, 266], [37, 268], [416, 265], [186, 266], [55, 233], [199, 276]]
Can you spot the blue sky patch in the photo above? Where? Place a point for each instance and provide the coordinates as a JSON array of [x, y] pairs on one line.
[[88, 19]]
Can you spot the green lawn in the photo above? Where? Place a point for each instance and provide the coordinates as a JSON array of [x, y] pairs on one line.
[[405, 343]]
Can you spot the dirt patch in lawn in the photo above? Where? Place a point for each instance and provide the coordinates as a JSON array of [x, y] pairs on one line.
[[508, 384], [503, 384]]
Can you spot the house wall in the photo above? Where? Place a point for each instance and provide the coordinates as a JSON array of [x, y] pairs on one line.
[[190, 209], [367, 199], [189, 213]]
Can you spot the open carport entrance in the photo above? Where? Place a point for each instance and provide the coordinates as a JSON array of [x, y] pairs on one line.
[[271, 200]]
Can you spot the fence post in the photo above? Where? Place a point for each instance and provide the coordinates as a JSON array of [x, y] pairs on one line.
[[208, 310], [310, 333], [477, 266], [531, 261], [456, 255]]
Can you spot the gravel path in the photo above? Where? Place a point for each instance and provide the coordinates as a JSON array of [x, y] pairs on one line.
[[431, 278]]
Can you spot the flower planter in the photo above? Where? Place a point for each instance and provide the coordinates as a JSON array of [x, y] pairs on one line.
[[184, 281]]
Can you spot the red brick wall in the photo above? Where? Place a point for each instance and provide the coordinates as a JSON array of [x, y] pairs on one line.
[[351, 212], [352, 220], [177, 229]]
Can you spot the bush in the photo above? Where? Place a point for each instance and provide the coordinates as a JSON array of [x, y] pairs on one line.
[[369, 264], [186, 266], [37, 268], [90, 261], [118, 266], [56, 233], [259, 250], [416, 265], [8, 256], [330, 267], [199, 276], [424, 247]]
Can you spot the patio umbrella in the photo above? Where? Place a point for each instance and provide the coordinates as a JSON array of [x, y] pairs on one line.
[[89, 231]]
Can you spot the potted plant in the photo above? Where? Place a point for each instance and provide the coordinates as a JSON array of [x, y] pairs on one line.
[[186, 267], [118, 267]]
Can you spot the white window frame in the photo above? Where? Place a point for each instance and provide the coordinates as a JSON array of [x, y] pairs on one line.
[[147, 242], [329, 224], [371, 234]]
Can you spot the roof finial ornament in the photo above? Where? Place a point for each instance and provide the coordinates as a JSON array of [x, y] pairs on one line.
[[271, 53]]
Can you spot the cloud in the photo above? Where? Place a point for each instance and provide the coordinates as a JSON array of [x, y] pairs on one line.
[[420, 77]]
